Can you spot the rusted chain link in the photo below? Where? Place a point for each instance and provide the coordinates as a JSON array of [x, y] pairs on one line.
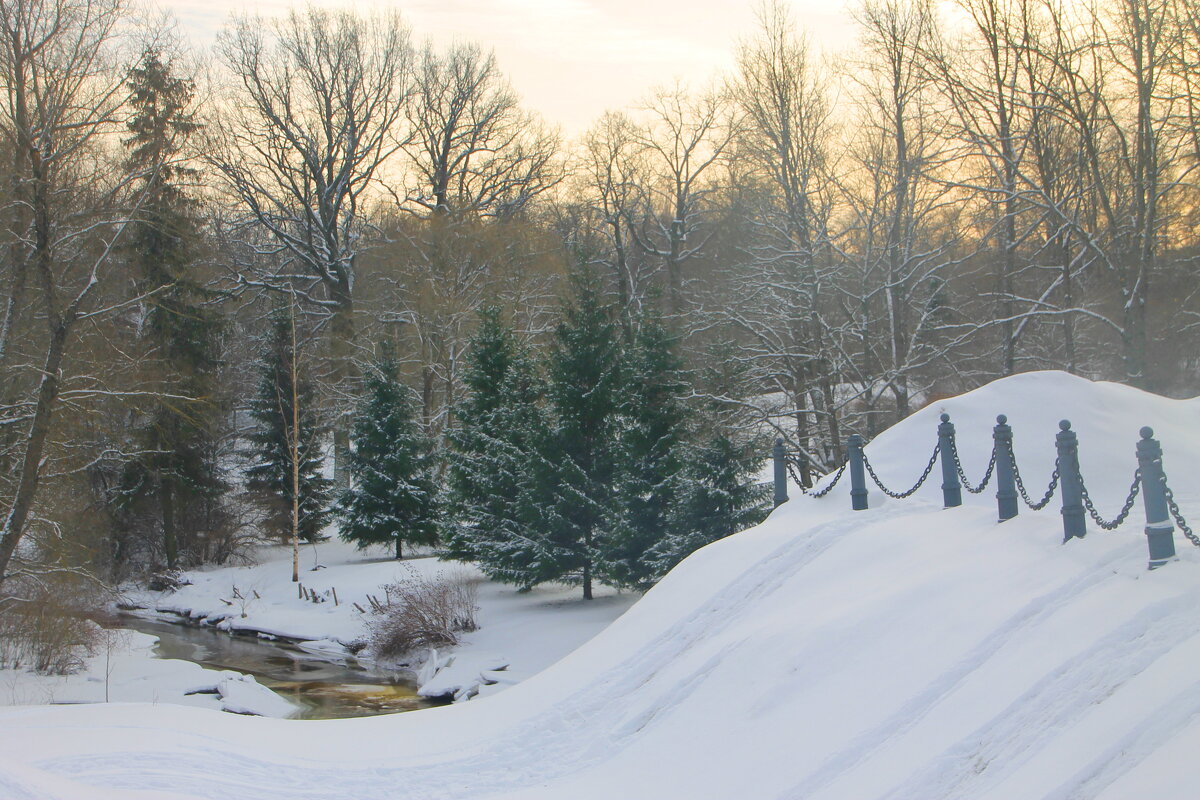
[[901, 495], [962, 477], [1179, 520], [1113, 524]]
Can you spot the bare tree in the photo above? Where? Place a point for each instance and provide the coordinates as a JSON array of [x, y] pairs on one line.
[[902, 234], [611, 181], [1142, 47], [472, 148], [683, 143], [64, 217], [981, 76], [475, 162], [320, 96], [1105, 79], [786, 134]]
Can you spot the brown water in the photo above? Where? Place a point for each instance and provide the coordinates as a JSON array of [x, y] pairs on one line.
[[324, 689]]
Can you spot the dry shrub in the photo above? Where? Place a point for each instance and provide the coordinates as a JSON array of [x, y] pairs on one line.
[[423, 612], [47, 627]]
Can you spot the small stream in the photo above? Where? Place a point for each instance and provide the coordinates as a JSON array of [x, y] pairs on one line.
[[323, 689]]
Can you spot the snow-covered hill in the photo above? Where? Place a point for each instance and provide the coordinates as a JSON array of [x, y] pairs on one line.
[[902, 652]]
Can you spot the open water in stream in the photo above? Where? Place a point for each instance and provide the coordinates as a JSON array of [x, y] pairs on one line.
[[323, 689]]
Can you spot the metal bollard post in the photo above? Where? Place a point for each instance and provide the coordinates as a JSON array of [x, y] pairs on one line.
[[858, 478], [1006, 484], [951, 488], [1159, 530], [781, 493], [1072, 482]]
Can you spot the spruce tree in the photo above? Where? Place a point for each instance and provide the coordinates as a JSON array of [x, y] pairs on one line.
[[393, 492], [178, 483], [498, 477], [717, 492], [584, 391], [717, 496], [285, 393], [649, 460]]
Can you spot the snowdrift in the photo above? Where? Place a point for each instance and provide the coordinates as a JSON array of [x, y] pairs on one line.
[[902, 652]]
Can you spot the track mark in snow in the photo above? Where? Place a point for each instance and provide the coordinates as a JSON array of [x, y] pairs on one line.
[[674, 696], [585, 728], [999, 748], [1159, 726], [865, 745]]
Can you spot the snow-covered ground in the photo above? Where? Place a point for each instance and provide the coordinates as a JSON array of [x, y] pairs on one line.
[[125, 670], [519, 634], [902, 652]]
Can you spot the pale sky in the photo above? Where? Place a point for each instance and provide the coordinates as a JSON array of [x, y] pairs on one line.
[[571, 60]]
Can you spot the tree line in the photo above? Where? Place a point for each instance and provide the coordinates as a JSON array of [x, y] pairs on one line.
[[203, 280]]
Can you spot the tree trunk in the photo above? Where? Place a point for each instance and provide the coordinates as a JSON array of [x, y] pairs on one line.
[[166, 498], [587, 566], [831, 420], [1068, 303], [294, 447], [30, 472], [343, 377], [800, 397]]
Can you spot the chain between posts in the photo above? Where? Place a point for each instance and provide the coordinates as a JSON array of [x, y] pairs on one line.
[[962, 477], [1113, 524], [901, 495], [1179, 520], [1038, 506], [791, 464], [1135, 489], [836, 478]]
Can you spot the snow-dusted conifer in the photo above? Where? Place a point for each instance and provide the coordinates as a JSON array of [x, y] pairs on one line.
[[584, 390], [649, 459], [718, 493], [499, 482], [285, 394], [393, 491], [175, 482], [717, 497]]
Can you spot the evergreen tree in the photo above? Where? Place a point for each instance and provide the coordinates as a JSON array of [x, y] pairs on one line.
[[718, 496], [649, 459], [285, 394], [393, 493], [603, 478], [178, 484], [717, 491], [498, 478], [585, 395]]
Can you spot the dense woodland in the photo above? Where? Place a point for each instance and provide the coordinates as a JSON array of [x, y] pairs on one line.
[[341, 277]]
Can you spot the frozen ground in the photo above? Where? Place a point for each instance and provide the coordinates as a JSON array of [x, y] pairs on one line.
[[902, 652], [125, 670], [519, 634]]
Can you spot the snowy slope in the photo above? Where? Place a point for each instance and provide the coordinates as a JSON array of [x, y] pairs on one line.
[[902, 652]]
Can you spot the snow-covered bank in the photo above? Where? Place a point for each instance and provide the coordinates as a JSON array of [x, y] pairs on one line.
[[902, 652], [125, 670], [519, 634]]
